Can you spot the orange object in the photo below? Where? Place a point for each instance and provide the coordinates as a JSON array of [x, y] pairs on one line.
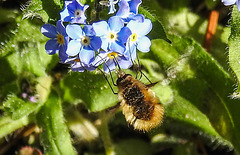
[[211, 29]]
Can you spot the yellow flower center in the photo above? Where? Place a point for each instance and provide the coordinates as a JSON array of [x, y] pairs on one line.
[[133, 37], [60, 39], [112, 36], [85, 40], [112, 55]]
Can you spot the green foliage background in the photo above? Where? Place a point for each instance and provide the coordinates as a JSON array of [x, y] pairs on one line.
[[199, 91]]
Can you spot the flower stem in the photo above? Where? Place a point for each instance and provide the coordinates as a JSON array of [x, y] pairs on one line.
[[105, 135]]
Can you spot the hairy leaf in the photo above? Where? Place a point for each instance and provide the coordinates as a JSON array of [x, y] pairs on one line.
[[16, 108], [201, 90], [7, 125], [55, 137], [234, 47]]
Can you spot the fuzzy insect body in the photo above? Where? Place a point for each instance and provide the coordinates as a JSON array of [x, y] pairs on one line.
[[141, 107]]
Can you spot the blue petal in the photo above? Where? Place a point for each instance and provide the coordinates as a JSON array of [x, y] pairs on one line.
[[70, 60], [132, 25], [134, 4], [229, 2], [124, 64], [137, 17], [238, 4], [60, 28], [95, 43], [74, 31], [124, 9], [88, 30], [115, 23], [124, 34], [100, 58], [105, 44], [144, 28], [74, 47], [87, 56], [72, 7], [90, 68], [109, 65], [131, 51], [62, 53], [64, 13], [49, 31], [117, 47], [52, 46], [101, 28], [77, 67], [68, 19], [144, 44], [80, 20]]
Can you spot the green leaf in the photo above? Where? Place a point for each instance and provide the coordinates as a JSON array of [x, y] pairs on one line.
[[7, 125], [55, 137], [157, 31], [44, 9], [25, 50], [16, 108], [234, 47], [176, 18], [201, 91], [91, 88]]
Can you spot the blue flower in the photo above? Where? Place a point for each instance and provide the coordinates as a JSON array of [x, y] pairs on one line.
[[110, 4], [59, 39], [74, 12], [138, 38], [78, 66], [128, 10], [231, 2], [111, 60], [84, 43], [113, 34]]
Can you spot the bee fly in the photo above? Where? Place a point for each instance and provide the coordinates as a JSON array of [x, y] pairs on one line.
[[141, 107]]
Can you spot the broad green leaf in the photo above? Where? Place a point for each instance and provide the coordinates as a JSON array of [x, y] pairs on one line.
[[7, 125], [25, 51], [44, 9], [234, 47], [35, 9], [43, 88], [55, 137], [201, 90], [176, 18], [91, 88], [16, 108], [157, 31]]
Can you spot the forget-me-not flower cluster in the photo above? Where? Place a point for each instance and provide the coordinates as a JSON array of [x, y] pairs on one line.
[[112, 43]]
